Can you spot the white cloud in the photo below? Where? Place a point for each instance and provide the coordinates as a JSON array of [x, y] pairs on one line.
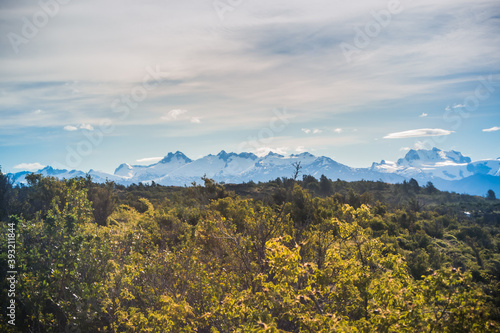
[[300, 149], [70, 128], [149, 160], [404, 148], [29, 166], [180, 114], [338, 130], [263, 151], [456, 106], [173, 114], [492, 129], [423, 115], [313, 131], [87, 127], [266, 62], [38, 111], [420, 145], [418, 133]]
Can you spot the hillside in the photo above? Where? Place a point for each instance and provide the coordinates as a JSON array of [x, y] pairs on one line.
[[288, 255]]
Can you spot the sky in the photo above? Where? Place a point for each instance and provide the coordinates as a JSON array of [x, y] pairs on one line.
[[93, 84]]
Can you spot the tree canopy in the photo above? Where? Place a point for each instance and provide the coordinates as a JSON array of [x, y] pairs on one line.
[[284, 256]]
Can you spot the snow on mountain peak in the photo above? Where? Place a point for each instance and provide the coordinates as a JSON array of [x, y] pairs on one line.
[[50, 170], [273, 154], [304, 154], [251, 156], [443, 168], [438, 164], [434, 156], [225, 156], [177, 155], [124, 170]]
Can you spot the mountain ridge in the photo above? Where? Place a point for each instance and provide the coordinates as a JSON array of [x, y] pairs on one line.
[[449, 170]]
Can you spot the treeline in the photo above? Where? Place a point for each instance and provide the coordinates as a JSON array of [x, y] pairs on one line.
[[310, 255]]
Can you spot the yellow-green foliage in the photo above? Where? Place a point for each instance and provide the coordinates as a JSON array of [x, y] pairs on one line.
[[303, 264]]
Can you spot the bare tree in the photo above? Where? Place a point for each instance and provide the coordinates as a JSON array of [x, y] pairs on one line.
[[296, 171]]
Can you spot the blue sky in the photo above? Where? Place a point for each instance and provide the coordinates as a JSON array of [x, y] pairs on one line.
[[94, 84]]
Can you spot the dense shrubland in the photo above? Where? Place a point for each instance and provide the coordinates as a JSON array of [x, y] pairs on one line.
[[283, 256]]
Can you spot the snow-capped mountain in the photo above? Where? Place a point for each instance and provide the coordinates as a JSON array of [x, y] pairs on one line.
[[97, 176], [20, 177], [141, 173], [435, 163], [224, 166], [448, 170], [422, 157]]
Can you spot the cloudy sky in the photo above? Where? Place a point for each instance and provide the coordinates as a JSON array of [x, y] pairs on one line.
[[92, 84]]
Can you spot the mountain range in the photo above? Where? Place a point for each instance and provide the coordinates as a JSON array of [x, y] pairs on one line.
[[447, 170]]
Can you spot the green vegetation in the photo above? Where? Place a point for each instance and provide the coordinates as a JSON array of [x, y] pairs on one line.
[[283, 256]]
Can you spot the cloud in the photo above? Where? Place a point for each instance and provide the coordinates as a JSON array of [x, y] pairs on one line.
[[338, 130], [173, 114], [418, 133], [313, 131], [38, 111], [263, 151], [423, 115], [237, 69], [420, 145], [70, 128], [300, 149], [179, 114], [149, 160], [456, 106], [492, 129], [29, 166], [87, 127], [404, 148]]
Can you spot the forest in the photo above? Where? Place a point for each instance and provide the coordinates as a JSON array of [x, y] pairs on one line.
[[295, 254]]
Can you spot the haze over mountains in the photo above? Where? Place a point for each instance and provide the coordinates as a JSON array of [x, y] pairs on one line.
[[447, 170]]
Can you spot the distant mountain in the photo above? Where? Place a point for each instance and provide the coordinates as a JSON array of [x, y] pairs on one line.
[[140, 173], [422, 157], [97, 176], [435, 163], [20, 177], [478, 184], [448, 170]]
